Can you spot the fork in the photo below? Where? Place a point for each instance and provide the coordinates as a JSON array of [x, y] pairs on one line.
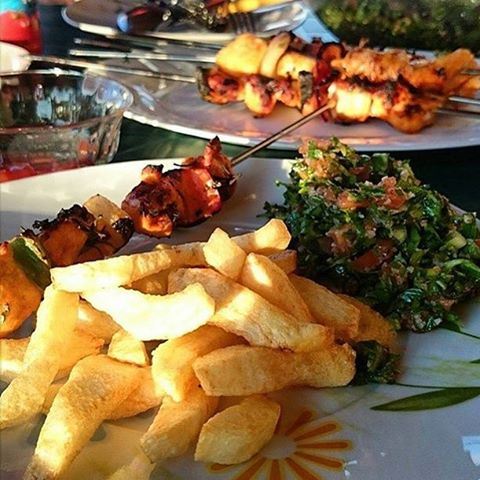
[[242, 22]]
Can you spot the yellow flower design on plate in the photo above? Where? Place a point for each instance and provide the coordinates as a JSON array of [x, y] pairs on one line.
[[297, 450]]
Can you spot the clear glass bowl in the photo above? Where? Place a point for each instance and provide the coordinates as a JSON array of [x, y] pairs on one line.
[[56, 120]]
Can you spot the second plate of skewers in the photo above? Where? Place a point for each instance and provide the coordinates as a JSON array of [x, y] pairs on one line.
[[389, 99]]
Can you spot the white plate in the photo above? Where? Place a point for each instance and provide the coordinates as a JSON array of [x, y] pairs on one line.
[[179, 108], [339, 435], [13, 58], [100, 18]]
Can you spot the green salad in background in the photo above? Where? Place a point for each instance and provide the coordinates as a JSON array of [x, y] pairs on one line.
[[365, 225], [424, 24]]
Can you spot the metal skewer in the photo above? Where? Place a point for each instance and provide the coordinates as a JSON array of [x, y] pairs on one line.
[[128, 41], [276, 136], [67, 62], [173, 57], [471, 71], [475, 102]]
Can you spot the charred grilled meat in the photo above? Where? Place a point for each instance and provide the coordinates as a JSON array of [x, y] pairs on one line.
[[398, 87], [93, 231], [184, 196]]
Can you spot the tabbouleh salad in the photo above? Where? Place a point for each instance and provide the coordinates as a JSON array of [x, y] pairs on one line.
[[366, 225]]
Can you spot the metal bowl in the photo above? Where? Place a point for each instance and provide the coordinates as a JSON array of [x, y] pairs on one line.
[[56, 120]]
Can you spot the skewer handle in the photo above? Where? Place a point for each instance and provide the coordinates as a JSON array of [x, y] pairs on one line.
[[276, 136]]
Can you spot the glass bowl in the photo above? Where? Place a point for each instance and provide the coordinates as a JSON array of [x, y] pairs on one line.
[[56, 120]]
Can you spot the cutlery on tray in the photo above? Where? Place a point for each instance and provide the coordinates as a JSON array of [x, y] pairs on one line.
[[159, 15], [100, 67]]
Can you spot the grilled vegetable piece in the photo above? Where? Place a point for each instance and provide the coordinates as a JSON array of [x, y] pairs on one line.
[[114, 225], [77, 234], [216, 86], [28, 257], [19, 296]]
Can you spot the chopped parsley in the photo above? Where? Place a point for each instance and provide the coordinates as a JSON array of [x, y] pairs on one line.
[[365, 225]]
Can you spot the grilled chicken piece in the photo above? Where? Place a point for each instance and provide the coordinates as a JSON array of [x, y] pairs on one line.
[[183, 196], [440, 75], [218, 165], [407, 111], [443, 75], [259, 98], [78, 235]]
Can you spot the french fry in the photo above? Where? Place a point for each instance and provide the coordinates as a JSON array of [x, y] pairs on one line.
[[96, 323], [155, 284], [12, 351], [155, 317], [237, 433], [139, 468], [286, 260], [243, 312], [122, 270], [223, 254], [52, 391], [328, 308], [271, 238], [246, 370], [372, 325], [172, 361], [24, 396], [143, 398], [261, 275], [126, 348], [81, 344], [177, 425], [96, 386]]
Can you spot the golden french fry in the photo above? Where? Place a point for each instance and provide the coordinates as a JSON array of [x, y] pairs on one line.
[[96, 386], [261, 275], [286, 260], [12, 351], [143, 398], [24, 396], [237, 433], [271, 238], [117, 271], [223, 254], [81, 344], [245, 313], [328, 308], [172, 361], [246, 370], [53, 389], [155, 317], [177, 425], [156, 284], [96, 323], [124, 347], [372, 325], [140, 468]]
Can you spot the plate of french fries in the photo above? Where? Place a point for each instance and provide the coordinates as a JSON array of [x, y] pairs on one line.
[[208, 356]]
